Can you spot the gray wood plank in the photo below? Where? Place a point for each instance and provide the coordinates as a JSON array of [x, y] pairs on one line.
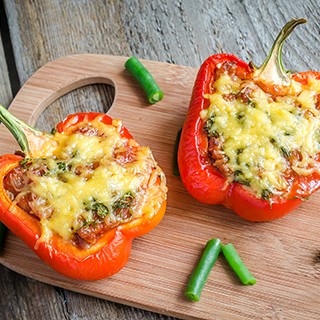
[[181, 32]]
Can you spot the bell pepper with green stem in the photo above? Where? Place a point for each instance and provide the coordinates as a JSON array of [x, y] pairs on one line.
[[249, 140], [34, 188]]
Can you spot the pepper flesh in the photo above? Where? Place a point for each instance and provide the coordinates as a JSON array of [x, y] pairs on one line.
[[105, 257], [207, 183]]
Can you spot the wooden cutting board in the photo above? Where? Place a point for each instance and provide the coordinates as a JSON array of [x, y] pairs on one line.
[[283, 255]]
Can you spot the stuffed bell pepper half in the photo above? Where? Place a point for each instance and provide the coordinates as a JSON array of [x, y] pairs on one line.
[[79, 196], [251, 138]]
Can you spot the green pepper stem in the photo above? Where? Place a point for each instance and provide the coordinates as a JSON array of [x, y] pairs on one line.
[[22, 132], [272, 70]]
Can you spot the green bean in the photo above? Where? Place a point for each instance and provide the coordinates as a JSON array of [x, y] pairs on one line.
[[175, 165], [3, 231], [237, 265], [145, 79], [201, 272]]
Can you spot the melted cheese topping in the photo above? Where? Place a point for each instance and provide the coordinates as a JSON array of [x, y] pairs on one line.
[[260, 133], [93, 174]]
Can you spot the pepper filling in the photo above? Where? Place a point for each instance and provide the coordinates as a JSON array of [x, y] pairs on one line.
[[94, 180], [262, 138]]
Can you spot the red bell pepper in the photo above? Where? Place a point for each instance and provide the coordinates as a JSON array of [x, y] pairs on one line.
[[205, 181], [111, 251]]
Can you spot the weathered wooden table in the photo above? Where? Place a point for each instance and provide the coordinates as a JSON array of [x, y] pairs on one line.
[[179, 32]]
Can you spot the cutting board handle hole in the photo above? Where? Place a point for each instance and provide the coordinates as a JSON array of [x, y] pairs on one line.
[[92, 97]]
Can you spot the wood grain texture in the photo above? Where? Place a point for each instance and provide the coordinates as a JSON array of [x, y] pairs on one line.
[[180, 32]]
